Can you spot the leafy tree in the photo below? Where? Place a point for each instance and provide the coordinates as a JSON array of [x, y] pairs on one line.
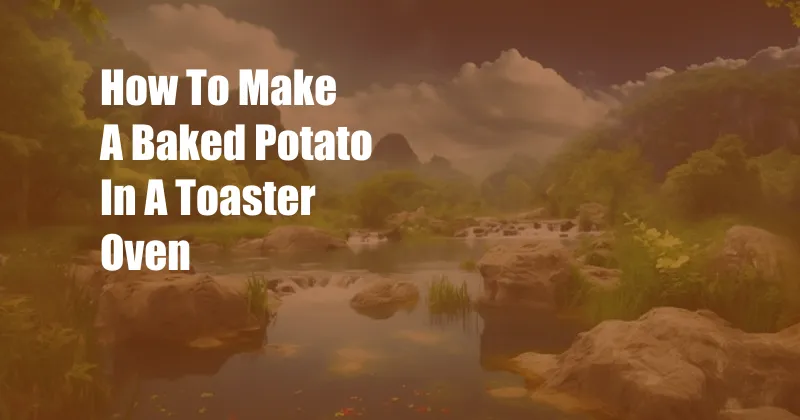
[[714, 181], [516, 193], [612, 178], [48, 145], [792, 5], [388, 193]]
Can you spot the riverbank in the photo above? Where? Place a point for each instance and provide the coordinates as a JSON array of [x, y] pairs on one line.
[[527, 266]]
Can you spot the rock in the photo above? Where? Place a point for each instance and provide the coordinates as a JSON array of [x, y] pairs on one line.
[[384, 297], [248, 247], [536, 214], [392, 235], [592, 217], [206, 249], [287, 287], [604, 258], [601, 277], [566, 226], [767, 255], [525, 274], [173, 308], [761, 413], [301, 239], [419, 219], [673, 364], [290, 240]]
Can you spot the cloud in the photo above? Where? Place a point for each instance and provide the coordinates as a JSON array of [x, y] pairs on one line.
[[512, 102], [482, 112], [174, 38]]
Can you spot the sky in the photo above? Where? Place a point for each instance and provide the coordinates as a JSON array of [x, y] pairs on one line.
[[459, 78]]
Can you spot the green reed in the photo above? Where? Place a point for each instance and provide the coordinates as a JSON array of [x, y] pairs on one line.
[[445, 297], [257, 295]]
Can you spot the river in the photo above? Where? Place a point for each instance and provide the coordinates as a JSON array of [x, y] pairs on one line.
[[322, 360]]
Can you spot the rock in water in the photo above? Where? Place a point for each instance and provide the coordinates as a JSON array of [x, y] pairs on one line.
[[527, 275], [298, 239], [173, 308], [383, 298]]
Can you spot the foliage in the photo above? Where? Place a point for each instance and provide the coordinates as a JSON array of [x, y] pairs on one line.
[[48, 363], [660, 269], [446, 298], [612, 178], [46, 147], [687, 111], [257, 295], [714, 181], [469, 265], [792, 5]]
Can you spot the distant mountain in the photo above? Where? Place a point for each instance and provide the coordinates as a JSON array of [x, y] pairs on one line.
[[395, 151]]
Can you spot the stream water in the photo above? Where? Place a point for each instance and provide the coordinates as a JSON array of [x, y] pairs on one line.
[[322, 360]]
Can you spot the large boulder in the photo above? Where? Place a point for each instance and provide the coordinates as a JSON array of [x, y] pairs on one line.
[[532, 275], [176, 309], [673, 364], [761, 413], [291, 240], [384, 298], [764, 254]]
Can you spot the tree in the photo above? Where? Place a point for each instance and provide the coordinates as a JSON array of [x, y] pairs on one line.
[[388, 193], [714, 181], [516, 193], [792, 5], [612, 178], [86, 17], [48, 145]]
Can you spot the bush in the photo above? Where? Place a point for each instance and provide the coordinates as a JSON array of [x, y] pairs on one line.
[[660, 269], [48, 360]]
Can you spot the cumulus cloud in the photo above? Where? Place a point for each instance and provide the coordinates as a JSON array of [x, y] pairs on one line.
[[174, 38], [483, 112], [510, 102]]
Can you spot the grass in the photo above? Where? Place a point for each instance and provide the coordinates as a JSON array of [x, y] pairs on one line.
[[257, 295], [446, 298], [743, 298], [49, 365], [469, 265]]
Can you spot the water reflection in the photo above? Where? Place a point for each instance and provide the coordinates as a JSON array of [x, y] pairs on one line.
[[324, 360]]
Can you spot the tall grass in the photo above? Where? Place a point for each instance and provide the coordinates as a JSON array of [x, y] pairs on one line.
[[446, 297], [257, 295], [450, 304], [659, 269], [49, 361]]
